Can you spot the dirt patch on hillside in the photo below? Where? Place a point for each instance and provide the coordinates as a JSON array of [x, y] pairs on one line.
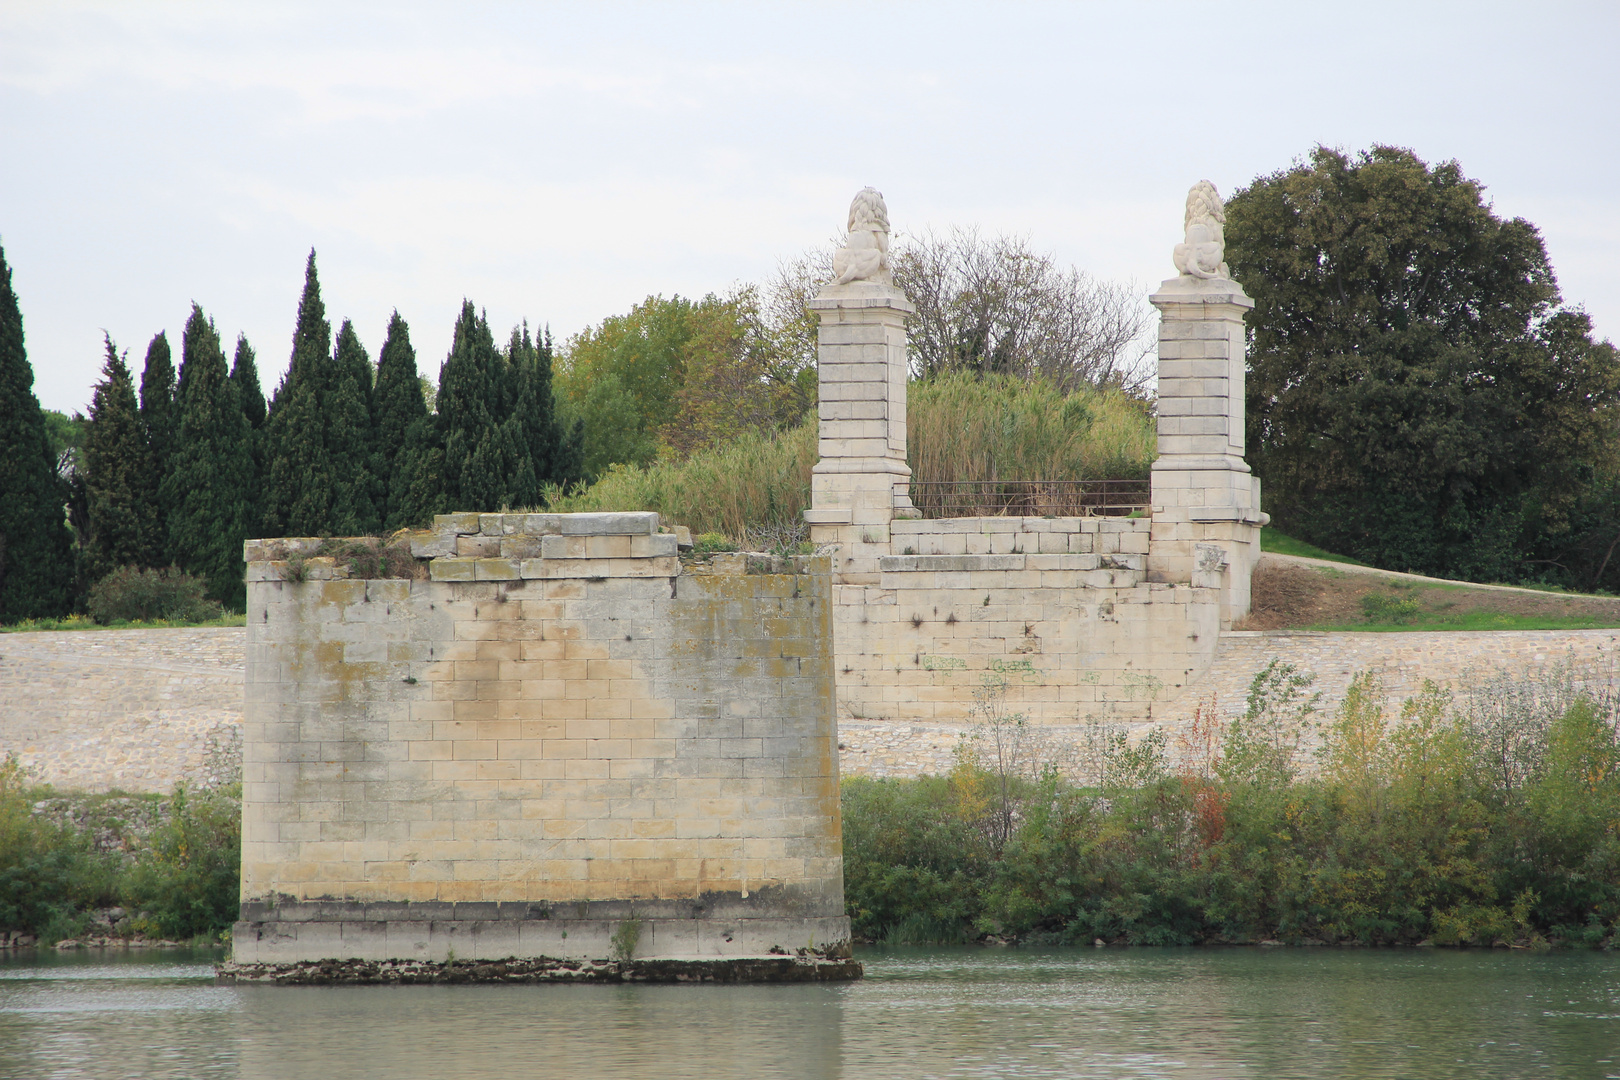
[[1288, 596]]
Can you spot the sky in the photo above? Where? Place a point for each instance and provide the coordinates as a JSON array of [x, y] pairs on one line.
[[560, 162]]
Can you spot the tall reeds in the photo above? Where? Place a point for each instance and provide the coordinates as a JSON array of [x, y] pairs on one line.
[[961, 428], [997, 427], [755, 481]]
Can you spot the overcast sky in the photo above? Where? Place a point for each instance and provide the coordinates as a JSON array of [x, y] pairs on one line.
[[560, 162]]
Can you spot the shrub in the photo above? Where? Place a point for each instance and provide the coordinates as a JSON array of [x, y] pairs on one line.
[[131, 594], [48, 871], [1389, 609], [186, 876], [1477, 823]]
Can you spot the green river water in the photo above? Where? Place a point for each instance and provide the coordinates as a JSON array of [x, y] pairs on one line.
[[1184, 1013]]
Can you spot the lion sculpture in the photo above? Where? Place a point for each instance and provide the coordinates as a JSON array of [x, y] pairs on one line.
[[1205, 249], [865, 254]]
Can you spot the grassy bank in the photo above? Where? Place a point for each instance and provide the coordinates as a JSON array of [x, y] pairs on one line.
[[1491, 820], [1282, 544], [84, 622], [170, 863], [1333, 598]]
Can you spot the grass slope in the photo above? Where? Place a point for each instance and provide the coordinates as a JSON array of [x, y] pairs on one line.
[[1294, 597]]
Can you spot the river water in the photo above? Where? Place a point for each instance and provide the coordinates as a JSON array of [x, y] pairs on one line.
[[1138, 1013]]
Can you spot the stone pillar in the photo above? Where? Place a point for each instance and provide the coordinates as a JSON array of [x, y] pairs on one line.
[[862, 477], [1206, 502], [861, 482]]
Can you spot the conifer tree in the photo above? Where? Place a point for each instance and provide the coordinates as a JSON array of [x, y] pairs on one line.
[[396, 405], [36, 563], [211, 470], [532, 424], [349, 441], [416, 487], [245, 376], [296, 495], [116, 473], [571, 462], [157, 420], [472, 386]]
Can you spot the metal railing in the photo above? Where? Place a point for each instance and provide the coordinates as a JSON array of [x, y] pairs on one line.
[[1029, 498]]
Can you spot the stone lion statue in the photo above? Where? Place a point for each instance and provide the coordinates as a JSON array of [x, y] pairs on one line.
[[1202, 255], [865, 254]]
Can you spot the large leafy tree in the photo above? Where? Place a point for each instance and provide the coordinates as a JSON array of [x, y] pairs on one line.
[[673, 376], [116, 470], [158, 421], [1417, 396], [36, 563], [210, 478], [623, 379]]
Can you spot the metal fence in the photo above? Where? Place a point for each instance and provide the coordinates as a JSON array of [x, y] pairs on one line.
[[1029, 498]]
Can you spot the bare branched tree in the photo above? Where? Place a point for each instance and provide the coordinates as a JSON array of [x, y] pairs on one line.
[[997, 306], [994, 306]]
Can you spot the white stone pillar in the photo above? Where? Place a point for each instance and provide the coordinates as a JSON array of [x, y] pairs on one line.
[[862, 478], [1206, 502]]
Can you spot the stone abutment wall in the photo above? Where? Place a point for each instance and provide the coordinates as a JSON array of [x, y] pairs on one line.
[[562, 743]]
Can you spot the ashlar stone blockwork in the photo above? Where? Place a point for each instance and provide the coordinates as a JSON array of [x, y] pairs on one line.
[[1052, 619], [558, 742]]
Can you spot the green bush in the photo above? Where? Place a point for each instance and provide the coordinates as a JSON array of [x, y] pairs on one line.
[[186, 878], [48, 871], [1476, 822], [131, 594], [1389, 609], [179, 868]]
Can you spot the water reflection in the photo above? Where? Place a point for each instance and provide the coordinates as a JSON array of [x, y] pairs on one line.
[[940, 1013]]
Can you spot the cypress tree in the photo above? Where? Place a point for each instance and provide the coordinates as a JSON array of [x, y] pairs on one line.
[[472, 383], [416, 488], [158, 420], [532, 424], [571, 460], [245, 376], [116, 471], [298, 469], [349, 441], [211, 470], [36, 561], [396, 405]]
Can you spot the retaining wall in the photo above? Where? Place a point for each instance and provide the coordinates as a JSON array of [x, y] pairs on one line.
[[140, 709], [133, 709]]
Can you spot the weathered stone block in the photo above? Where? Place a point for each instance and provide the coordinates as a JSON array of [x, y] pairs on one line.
[[452, 569]]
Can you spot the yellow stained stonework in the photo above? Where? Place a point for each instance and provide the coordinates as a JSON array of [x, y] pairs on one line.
[[607, 726]]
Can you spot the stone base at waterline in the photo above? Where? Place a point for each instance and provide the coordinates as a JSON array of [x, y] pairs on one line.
[[768, 969], [719, 938]]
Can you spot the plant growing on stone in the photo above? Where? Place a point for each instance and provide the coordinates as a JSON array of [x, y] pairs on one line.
[[625, 939]]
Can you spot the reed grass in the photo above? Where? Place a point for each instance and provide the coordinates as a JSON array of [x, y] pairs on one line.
[[751, 482], [960, 427]]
